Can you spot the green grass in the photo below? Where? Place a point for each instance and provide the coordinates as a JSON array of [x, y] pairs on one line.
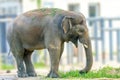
[[106, 72], [39, 65], [7, 67], [10, 67]]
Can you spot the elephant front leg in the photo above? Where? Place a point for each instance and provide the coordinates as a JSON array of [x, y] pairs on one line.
[[54, 58]]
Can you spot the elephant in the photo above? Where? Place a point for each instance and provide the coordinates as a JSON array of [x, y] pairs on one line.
[[47, 28]]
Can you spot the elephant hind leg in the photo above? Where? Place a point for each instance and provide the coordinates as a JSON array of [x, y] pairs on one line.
[[29, 66], [18, 53]]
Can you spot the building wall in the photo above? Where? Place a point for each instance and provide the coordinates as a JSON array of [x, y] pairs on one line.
[[8, 8], [29, 5], [108, 8]]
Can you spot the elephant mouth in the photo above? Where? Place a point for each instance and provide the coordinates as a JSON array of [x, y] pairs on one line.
[[86, 46], [84, 42], [74, 40]]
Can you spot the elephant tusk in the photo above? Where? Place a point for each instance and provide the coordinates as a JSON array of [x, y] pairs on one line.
[[86, 46]]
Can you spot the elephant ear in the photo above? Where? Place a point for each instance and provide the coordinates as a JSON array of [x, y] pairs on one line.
[[66, 24]]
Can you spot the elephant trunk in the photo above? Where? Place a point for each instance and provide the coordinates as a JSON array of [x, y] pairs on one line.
[[89, 57]]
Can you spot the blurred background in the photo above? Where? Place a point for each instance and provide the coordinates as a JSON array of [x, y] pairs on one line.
[[103, 20]]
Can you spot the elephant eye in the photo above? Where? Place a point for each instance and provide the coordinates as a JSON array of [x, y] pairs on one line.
[[81, 22], [81, 30]]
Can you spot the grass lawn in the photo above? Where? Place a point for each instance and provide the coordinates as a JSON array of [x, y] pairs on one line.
[[106, 72]]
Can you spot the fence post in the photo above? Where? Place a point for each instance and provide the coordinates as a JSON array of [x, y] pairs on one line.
[[0, 40], [3, 37], [102, 41], [80, 52], [110, 41], [118, 45], [45, 56], [96, 42]]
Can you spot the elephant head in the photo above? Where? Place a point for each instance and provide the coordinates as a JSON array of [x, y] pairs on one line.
[[75, 29]]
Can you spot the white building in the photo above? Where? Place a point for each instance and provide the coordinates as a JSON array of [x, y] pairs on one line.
[[90, 8], [10, 7]]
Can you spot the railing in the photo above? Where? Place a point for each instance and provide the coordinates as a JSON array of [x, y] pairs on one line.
[[105, 36], [4, 58], [106, 25]]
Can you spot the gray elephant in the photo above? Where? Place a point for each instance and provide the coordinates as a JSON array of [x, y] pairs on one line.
[[47, 28]]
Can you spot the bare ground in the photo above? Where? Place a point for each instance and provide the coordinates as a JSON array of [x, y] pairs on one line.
[[43, 72], [12, 76]]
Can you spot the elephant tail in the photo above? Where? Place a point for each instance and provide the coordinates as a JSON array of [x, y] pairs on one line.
[[9, 52]]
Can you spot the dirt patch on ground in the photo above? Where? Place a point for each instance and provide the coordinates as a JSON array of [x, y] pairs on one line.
[[14, 77], [114, 71]]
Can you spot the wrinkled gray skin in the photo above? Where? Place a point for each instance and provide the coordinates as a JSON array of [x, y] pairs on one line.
[[47, 29]]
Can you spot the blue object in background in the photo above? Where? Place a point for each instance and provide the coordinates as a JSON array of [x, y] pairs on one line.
[[3, 36]]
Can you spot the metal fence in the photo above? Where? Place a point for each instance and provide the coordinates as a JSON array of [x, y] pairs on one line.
[[106, 30], [105, 36]]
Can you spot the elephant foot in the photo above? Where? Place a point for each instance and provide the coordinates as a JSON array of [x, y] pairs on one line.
[[22, 75], [32, 74], [52, 74]]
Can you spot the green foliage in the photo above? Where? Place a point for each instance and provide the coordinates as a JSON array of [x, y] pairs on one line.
[[106, 72], [7, 67], [10, 67], [38, 3], [39, 65]]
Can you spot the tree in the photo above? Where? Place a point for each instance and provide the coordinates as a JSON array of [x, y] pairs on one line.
[[38, 3]]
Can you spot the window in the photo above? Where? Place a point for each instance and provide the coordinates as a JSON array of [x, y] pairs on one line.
[[74, 7], [94, 11], [48, 4], [2, 11], [12, 8]]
